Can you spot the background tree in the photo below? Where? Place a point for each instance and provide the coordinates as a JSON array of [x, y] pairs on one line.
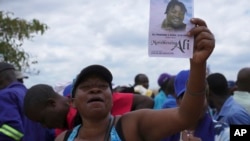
[[13, 31]]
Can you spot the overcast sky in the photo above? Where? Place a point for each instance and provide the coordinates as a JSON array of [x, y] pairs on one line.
[[114, 33]]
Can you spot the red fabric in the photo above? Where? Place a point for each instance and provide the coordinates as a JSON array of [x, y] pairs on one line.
[[122, 103]]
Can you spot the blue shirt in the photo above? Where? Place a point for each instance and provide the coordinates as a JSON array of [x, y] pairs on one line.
[[14, 125], [233, 113], [159, 100], [170, 102]]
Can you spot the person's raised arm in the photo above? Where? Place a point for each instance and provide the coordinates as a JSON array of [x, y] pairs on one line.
[[194, 97], [157, 124]]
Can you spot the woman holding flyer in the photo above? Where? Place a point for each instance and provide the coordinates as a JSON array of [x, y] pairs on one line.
[[92, 96]]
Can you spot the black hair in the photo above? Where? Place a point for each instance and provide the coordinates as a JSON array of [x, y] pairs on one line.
[[7, 76], [37, 96], [138, 78], [217, 84], [243, 79], [173, 3], [170, 86], [124, 89]]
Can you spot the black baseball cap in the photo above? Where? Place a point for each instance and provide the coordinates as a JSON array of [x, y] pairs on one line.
[[93, 69], [6, 66]]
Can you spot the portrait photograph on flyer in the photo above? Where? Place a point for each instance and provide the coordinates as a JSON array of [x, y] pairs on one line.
[[169, 23]]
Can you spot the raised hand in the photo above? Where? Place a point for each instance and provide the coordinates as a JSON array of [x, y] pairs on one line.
[[204, 41]]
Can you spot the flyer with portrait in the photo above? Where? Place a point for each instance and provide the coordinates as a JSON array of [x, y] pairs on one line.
[[168, 27]]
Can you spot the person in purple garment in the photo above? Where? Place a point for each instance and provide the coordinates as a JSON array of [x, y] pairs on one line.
[[205, 129], [14, 125]]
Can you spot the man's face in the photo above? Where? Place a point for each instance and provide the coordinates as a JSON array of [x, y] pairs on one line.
[[93, 97], [175, 16], [51, 116]]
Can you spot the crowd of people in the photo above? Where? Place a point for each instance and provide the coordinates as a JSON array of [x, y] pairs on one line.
[[190, 105]]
